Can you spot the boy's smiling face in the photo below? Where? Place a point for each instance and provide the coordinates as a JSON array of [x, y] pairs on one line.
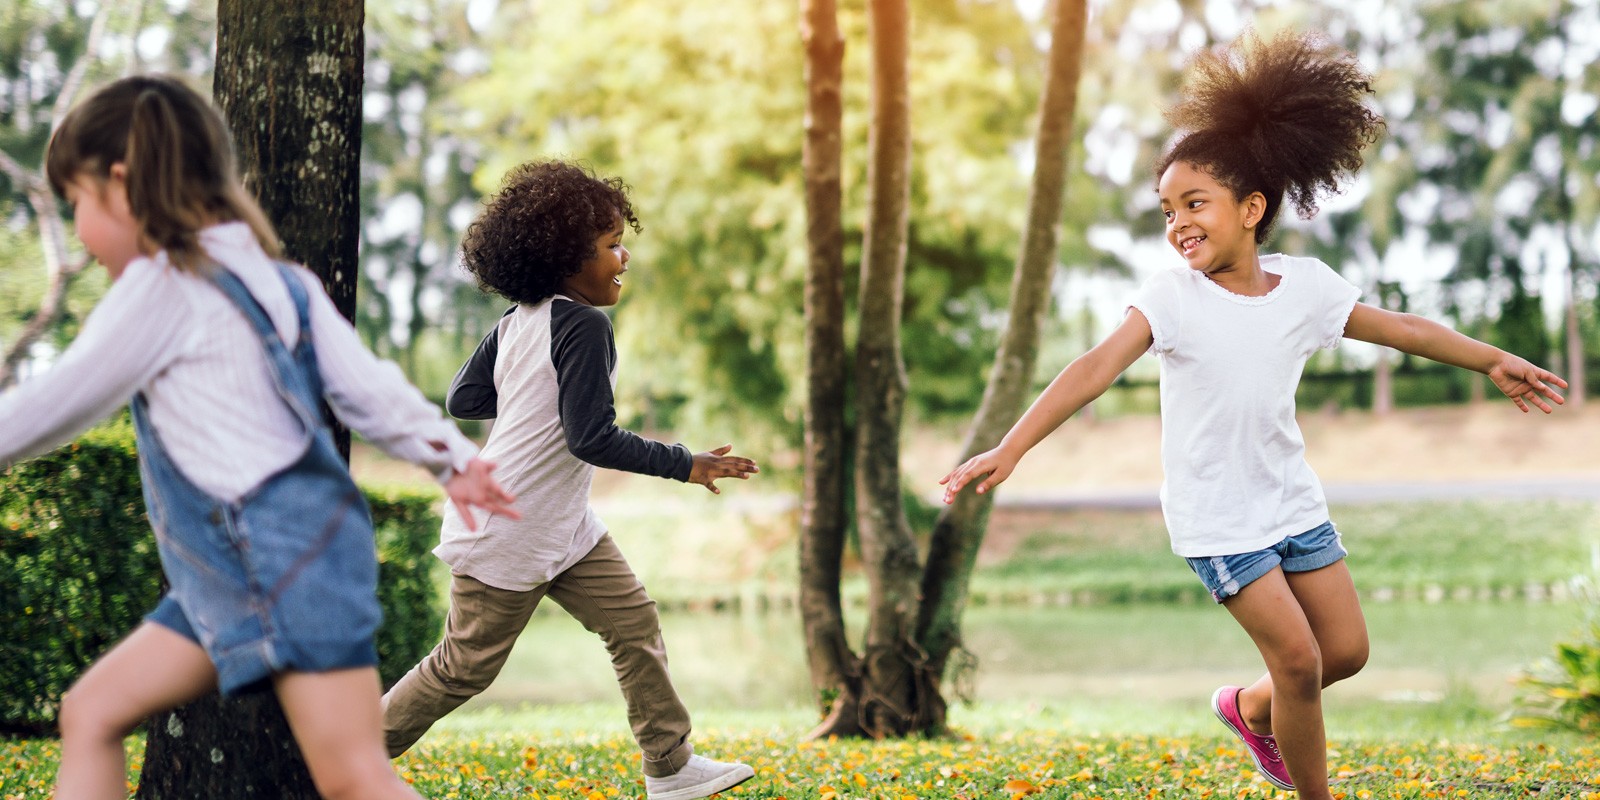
[[599, 281]]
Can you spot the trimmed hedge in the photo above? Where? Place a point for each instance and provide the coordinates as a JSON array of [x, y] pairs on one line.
[[79, 569]]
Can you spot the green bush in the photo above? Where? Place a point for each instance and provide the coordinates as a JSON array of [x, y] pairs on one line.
[[79, 569], [1564, 691]]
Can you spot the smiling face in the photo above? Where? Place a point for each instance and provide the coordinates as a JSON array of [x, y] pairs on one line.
[[599, 281], [1206, 224], [102, 220]]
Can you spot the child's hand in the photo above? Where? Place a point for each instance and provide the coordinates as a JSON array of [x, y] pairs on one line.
[[717, 464], [475, 487], [1525, 383], [996, 463]]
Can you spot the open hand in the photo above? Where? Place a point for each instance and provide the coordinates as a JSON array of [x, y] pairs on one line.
[[1525, 383], [475, 487], [712, 466], [996, 464]]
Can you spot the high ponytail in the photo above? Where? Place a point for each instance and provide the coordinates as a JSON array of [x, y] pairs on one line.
[[178, 157], [1285, 118]]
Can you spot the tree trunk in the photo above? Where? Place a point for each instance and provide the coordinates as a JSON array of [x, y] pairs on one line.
[[289, 81], [1382, 384], [891, 701], [1576, 389], [835, 669], [960, 527]]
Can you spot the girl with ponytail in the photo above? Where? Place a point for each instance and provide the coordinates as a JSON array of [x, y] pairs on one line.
[[225, 355], [1233, 328]]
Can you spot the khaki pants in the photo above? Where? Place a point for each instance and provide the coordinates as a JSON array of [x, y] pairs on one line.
[[601, 592]]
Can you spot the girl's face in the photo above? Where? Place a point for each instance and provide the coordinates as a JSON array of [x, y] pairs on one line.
[[102, 219], [1206, 224], [599, 281]]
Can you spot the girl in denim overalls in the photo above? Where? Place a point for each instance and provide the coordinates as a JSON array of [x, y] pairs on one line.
[[225, 354], [1233, 329]]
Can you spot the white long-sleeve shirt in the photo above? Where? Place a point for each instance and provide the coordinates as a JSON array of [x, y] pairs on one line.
[[176, 337]]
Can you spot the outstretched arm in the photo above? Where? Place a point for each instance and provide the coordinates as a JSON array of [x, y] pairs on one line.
[[1086, 378], [1520, 380]]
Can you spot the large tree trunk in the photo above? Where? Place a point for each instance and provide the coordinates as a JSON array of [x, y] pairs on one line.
[[960, 527], [289, 80], [835, 669], [892, 698]]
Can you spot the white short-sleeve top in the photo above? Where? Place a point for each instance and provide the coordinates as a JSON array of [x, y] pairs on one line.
[[1236, 477]]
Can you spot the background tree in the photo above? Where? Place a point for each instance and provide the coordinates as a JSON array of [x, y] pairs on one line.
[[823, 510], [289, 80], [914, 611]]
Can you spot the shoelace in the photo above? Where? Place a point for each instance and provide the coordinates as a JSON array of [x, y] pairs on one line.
[[1272, 746]]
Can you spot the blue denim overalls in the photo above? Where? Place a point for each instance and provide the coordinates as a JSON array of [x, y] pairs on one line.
[[285, 578]]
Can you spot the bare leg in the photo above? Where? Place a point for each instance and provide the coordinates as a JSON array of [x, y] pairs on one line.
[[338, 725], [1328, 598], [152, 670], [1269, 611]]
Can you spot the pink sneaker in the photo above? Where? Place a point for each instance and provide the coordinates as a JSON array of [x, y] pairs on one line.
[[1263, 749]]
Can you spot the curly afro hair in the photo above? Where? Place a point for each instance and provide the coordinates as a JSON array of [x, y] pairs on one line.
[[540, 228], [1285, 117]]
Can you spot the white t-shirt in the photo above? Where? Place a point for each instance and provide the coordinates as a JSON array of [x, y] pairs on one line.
[[1233, 456]]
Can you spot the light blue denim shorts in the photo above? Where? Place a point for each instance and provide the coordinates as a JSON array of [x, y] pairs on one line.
[[1225, 576]]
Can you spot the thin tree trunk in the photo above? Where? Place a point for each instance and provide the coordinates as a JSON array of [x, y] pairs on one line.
[[289, 80], [59, 270], [1383, 384], [835, 669], [1576, 378], [960, 527], [891, 702]]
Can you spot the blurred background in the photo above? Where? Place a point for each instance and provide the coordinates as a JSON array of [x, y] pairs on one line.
[[1479, 208]]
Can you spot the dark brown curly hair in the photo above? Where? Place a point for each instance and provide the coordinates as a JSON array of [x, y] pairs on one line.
[[540, 228], [1285, 117]]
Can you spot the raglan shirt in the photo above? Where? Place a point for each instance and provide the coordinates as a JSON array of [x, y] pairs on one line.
[[1233, 457], [546, 374]]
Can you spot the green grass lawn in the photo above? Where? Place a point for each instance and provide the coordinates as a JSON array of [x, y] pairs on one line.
[[1132, 747], [572, 753], [1471, 550]]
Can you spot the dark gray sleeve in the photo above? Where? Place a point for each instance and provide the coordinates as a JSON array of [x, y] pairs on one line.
[[584, 354], [472, 394]]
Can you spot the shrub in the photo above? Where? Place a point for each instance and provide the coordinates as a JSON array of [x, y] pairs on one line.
[[1564, 691], [79, 569]]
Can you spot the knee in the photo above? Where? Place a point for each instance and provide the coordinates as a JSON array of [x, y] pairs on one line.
[[1298, 670], [639, 626], [352, 780], [1345, 663], [83, 715], [459, 676]]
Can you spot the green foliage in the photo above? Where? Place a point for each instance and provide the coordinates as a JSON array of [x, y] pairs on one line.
[[407, 529], [79, 569], [1564, 690]]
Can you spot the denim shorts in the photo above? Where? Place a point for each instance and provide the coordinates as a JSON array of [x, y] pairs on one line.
[[1225, 576]]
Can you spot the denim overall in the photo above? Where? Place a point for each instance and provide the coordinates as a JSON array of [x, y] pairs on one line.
[[285, 578]]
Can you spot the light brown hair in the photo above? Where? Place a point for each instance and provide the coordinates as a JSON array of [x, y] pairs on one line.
[[181, 173]]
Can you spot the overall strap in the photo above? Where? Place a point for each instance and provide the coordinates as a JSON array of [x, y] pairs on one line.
[[296, 374]]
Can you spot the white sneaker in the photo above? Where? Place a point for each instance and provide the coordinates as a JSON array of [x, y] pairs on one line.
[[700, 777]]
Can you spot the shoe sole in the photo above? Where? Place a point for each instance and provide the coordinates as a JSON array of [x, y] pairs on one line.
[[1216, 708], [721, 783]]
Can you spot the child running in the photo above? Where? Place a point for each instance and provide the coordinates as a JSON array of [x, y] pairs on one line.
[[551, 242], [225, 353], [1233, 330]]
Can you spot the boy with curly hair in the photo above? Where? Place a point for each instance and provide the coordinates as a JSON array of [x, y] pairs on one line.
[[551, 242]]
